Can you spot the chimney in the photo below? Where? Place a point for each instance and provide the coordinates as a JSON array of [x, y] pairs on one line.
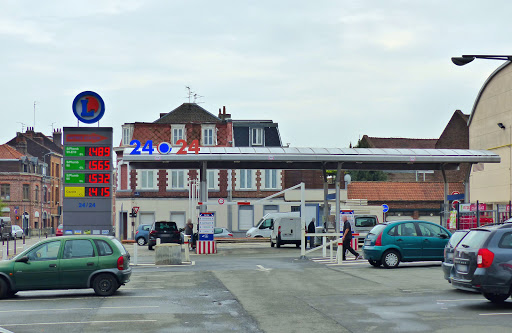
[[57, 137], [224, 116], [21, 146], [162, 114]]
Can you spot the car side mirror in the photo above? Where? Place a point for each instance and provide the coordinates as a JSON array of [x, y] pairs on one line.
[[443, 236], [22, 259]]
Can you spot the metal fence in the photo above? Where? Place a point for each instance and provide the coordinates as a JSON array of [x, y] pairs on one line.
[[467, 216]]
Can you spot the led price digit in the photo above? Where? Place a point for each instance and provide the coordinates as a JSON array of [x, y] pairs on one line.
[[98, 165]]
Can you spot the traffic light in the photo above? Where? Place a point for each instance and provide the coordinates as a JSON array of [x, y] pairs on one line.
[[133, 213], [17, 217]]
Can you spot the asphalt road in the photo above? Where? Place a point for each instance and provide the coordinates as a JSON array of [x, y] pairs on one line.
[[255, 288]]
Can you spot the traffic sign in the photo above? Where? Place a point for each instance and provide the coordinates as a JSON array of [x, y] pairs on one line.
[[454, 204], [385, 208], [221, 201], [136, 209]]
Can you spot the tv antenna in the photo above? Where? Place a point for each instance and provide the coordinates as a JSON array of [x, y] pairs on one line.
[[35, 102], [52, 125], [196, 96], [190, 92], [22, 126]]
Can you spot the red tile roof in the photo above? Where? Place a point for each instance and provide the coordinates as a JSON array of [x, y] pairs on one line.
[[9, 153], [387, 191], [402, 143]]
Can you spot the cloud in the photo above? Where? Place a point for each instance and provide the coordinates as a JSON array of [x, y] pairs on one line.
[[29, 31]]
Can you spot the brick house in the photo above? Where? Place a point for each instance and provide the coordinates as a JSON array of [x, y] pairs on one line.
[[38, 173], [416, 193], [164, 194]]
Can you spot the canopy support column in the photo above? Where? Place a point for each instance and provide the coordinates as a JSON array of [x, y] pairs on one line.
[[337, 212], [203, 171], [446, 209], [326, 204]]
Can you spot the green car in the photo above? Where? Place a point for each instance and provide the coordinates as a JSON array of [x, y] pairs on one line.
[[69, 262], [392, 242]]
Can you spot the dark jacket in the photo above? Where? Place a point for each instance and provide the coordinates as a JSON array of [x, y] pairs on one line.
[[311, 227]]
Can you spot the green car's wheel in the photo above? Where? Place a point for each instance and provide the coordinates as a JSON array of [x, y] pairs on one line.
[[105, 284]]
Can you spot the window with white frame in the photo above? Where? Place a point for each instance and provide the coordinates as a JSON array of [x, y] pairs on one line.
[[212, 179], [127, 134], [178, 133], [246, 181], [147, 179], [177, 180], [271, 179], [208, 136], [257, 136]]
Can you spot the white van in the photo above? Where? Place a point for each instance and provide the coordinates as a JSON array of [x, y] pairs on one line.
[[263, 228], [286, 230]]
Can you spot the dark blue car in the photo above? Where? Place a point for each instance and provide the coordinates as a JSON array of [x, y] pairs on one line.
[[142, 234]]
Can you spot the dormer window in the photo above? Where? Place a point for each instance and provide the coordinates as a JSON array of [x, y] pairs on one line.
[[127, 134], [208, 137], [178, 133], [257, 136]]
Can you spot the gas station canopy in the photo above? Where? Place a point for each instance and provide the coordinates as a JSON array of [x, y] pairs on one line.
[[311, 158]]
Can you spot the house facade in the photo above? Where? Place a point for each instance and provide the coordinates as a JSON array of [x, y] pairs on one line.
[[417, 194], [166, 194], [490, 128]]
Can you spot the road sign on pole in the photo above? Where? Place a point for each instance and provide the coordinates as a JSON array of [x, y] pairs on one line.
[[385, 208]]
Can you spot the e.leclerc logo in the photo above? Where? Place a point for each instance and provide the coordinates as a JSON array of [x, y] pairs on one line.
[[88, 107]]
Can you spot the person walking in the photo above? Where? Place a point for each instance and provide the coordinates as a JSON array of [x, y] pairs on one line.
[[347, 237], [311, 230], [189, 231]]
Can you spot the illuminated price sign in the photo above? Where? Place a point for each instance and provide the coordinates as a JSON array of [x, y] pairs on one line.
[[87, 178], [74, 151]]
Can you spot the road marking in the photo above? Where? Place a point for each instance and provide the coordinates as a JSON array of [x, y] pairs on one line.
[[86, 322], [495, 314], [263, 269], [30, 299], [73, 309], [460, 300]]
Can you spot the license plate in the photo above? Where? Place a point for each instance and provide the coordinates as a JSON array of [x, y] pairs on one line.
[[462, 268]]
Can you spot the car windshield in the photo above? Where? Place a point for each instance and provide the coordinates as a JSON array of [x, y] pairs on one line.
[[377, 229], [456, 237], [168, 226], [475, 238], [366, 221]]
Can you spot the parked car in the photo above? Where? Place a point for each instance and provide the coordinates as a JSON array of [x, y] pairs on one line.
[[60, 230], [16, 232], [5, 229], [286, 230], [221, 233], [392, 242], [68, 262], [483, 262], [364, 223], [165, 230], [264, 227], [457, 236], [142, 234]]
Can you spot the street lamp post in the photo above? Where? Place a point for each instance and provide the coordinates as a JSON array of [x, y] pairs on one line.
[[466, 59]]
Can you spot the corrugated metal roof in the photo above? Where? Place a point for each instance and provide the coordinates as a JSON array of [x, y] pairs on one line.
[[314, 158]]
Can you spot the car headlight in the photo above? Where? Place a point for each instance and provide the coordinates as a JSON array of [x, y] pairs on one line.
[[248, 234]]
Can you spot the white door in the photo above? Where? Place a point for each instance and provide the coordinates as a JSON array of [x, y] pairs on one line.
[[245, 217], [270, 209], [311, 212], [146, 218], [179, 218]]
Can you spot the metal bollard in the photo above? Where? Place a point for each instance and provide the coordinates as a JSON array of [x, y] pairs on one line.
[[4, 252], [14, 245], [23, 242], [338, 253], [187, 250], [135, 254], [324, 250], [158, 241]]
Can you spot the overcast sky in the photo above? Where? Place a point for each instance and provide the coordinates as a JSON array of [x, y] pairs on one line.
[[327, 71]]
